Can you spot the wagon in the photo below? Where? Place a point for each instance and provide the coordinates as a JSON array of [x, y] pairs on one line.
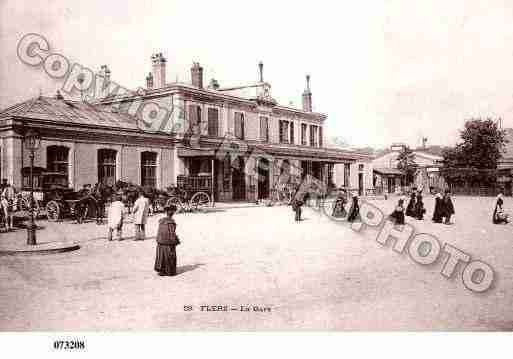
[[70, 204], [192, 193], [51, 192]]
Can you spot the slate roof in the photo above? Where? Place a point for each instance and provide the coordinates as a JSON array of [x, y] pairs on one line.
[[72, 112]]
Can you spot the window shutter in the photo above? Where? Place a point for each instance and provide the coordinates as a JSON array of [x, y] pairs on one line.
[[192, 117], [236, 125], [239, 125], [264, 129], [292, 132], [242, 126], [320, 136], [213, 122]]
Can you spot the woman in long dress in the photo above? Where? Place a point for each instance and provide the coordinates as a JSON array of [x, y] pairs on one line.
[[438, 212], [419, 207], [410, 209], [398, 215], [354, 211], [448, 207], [339, 210], [499, 216], [167, 240]]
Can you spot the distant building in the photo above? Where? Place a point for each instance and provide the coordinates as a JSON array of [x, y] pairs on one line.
[[505, 165], [389, 179]]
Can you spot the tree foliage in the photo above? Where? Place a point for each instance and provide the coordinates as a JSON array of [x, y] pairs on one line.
[[476, 157], [406, 163]]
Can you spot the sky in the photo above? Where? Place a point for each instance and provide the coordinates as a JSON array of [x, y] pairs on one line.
[[383, 71]]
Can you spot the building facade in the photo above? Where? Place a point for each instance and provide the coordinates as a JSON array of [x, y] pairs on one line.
[[237, 139], [389, 179]]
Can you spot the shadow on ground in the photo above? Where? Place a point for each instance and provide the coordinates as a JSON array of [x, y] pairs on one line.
[[188, 267]]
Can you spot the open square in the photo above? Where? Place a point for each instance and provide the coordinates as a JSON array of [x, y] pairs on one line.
[[317, 274]]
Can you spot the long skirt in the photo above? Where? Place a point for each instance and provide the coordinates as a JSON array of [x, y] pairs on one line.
[[165, 260]]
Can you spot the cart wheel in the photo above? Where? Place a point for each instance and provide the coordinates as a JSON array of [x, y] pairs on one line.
[[177, 203], [200, 201], [53, 211]]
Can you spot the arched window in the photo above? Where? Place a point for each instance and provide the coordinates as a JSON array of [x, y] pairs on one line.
[[57, 162], [149, 169], [107, 166]]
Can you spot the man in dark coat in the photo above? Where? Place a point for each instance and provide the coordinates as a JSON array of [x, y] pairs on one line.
[[354, 211], [438, 212], [167, 240], [297, 203], [410, 209], [448, 207]]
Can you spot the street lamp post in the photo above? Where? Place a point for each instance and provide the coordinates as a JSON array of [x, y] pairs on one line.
[[32, 141]]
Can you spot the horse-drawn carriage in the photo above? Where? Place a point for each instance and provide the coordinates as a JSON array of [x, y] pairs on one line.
[[51, 192]]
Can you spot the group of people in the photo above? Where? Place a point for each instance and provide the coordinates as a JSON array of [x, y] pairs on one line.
[[117, 212], [167, 240], [444, 208], [339, 207]]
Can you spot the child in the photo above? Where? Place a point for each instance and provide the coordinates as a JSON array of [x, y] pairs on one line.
[[115, 217]]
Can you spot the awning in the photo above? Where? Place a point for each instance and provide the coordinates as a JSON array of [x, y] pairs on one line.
[[388, 171], [195, 152]]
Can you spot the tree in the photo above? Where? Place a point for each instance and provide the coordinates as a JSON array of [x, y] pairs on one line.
[[406, 163], [475, 158], [482, 146], [483, 143]]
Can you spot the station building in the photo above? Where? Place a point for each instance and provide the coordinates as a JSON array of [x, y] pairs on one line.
[[238, 141]]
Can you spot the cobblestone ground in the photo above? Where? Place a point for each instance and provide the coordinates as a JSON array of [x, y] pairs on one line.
[[316, 274]]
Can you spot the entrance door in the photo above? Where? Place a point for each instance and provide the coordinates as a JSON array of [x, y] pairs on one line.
[[263, 178], [360, 184], [391, 185], [238, 180]]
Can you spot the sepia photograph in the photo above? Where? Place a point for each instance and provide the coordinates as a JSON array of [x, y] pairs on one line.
[[263, 166]]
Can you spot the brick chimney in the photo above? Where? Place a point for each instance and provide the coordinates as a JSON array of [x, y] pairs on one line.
[[261, 71], [158, 70], [197, 75], [307, 96], [149, 81]]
